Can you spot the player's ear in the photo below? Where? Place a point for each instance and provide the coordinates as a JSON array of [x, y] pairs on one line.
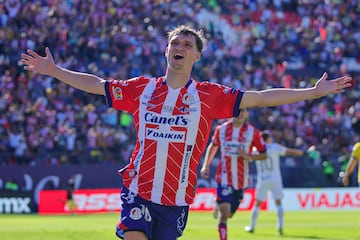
[[166, 51], [197, 56]]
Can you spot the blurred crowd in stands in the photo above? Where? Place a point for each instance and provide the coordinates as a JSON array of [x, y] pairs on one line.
[[252, 45]]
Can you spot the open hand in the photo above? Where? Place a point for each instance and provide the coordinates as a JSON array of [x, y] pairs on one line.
[[36, 63], [242, 153], [205, 172], [324, 87]]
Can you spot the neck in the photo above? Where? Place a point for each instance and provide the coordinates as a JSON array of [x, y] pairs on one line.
[[176, 80], [238, 125]]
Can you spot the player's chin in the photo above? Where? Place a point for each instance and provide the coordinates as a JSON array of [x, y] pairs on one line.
[[176, 65]]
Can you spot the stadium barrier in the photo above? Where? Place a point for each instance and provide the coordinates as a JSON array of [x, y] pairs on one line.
[[108, 200], [320, 199]]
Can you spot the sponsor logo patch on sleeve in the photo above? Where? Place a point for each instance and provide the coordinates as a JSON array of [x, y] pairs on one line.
[[117, 93]]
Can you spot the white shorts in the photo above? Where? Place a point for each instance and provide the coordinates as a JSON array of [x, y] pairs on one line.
[[275, 187]]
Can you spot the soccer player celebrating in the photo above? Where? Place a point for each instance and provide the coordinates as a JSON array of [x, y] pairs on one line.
[[269, 179], [172, 116], [236, 138]]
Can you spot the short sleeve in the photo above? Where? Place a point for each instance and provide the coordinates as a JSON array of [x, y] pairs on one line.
[[258, 142], [223, 101], [121, 94], [356, 150]]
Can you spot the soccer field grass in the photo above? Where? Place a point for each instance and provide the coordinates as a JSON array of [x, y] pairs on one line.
[[298, 225]]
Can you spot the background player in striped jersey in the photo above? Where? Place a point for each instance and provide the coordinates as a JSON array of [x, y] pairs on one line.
[[269, 179], [236, 139], [172, 116]]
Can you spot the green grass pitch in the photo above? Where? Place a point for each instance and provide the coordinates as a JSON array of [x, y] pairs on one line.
[[321, 225]]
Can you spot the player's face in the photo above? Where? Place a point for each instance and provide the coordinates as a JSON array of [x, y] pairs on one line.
[[269, 139], [181, 52], [241, 118]]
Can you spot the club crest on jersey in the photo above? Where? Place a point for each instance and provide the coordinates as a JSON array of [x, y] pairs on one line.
[[188, 99], [117, 93], [135, 213]]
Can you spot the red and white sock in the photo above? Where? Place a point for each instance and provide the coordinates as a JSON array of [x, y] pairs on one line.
[[222, 231]]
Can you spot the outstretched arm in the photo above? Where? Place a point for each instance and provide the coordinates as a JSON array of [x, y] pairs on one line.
[[209, 155], [280, 96], [255, 157], [46, 65], [294, 152]]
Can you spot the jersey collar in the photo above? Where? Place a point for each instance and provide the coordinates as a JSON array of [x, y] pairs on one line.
[[186, 86]]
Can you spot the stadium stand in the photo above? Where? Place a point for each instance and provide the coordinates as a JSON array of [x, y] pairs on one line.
[[252, 44]]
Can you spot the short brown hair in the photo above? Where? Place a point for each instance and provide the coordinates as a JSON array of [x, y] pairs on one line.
[[200, 39], [266, 134]]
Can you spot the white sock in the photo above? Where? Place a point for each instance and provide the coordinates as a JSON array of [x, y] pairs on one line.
[[280, 216], [254, 216]]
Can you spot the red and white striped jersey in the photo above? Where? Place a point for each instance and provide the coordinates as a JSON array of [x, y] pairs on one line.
[[233, 170], [172, 126]]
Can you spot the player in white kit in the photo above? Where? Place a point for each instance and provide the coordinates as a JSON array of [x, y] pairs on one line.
[[269, 179]]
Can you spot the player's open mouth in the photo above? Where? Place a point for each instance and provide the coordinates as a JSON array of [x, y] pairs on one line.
[[178, 56]]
